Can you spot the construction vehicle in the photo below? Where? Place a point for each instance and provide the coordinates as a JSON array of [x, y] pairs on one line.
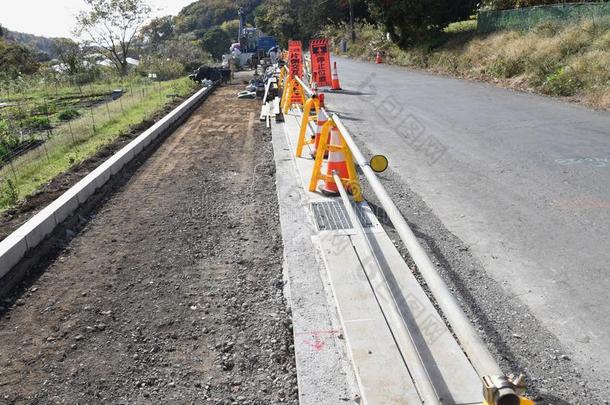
[[252, 45]]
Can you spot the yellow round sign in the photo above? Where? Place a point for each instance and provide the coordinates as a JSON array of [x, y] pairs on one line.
[[379, 163]]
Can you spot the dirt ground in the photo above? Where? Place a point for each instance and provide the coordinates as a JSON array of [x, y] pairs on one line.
[[13, 218], [172, 291]]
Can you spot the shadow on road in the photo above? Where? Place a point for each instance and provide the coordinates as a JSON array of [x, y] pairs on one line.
[[348, 118], [350, 92]]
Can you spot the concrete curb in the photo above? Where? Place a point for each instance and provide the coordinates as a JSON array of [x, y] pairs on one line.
[[324, 371], [15, 246]]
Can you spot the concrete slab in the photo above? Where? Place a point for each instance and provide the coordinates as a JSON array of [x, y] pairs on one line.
[[37, 228], [448, 367], [102, 174], [382, 374], [85, 188], [12, 249], [65, 205], [137, 146], [324, 372], [120, 159], [144, 139]]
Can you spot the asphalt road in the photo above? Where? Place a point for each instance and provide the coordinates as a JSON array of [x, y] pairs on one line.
[[522, 180]]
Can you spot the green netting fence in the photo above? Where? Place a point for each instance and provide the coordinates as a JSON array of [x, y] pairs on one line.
[[529, 17]]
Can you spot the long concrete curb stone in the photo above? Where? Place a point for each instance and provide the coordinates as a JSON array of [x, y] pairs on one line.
[[14, 247]]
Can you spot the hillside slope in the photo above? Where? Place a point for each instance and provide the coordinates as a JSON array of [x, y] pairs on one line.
[[35, 42]]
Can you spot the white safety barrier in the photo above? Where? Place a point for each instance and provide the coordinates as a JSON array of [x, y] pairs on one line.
[[14, 247]]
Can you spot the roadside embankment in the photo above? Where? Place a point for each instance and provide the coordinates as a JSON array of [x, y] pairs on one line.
[[570, 61]]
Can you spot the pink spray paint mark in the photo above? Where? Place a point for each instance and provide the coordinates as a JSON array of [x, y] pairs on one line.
[[316, 342]]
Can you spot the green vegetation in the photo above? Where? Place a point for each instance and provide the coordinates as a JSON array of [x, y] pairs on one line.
[[55, 116], [42, 47], [67, 115], [77, 140], [410, 21], [302, 20], [200, 34], [216, 41], [34, 108], [508, 4], [8, 139], [202, 15], [16, 60], [9, 196], [554, 59], [528, 18]]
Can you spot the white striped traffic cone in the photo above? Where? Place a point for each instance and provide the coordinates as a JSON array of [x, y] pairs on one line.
[[335, 77], [336, 163], [322, 119]]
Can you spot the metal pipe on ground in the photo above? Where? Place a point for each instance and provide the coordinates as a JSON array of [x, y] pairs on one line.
[[472, 344], [412, 359]]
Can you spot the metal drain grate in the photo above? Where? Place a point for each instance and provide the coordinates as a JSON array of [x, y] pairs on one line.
[[332, 216]]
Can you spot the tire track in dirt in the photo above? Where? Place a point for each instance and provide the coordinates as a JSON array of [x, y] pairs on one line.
[[172, 293]]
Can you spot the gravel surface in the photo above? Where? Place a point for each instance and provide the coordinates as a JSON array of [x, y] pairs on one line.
[[518, 341], [172, 291]]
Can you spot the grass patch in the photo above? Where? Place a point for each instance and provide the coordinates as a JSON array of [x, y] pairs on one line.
[[77, 140], [68, 114]]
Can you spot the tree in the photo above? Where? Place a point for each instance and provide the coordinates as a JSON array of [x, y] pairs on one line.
[[33, 42], [205, 14], [277, 18], [112, 25], [231, 27], [16, 59], [70, 54], [294, 19], [184, 49], [216, 41], [410, 20], [158, 30]]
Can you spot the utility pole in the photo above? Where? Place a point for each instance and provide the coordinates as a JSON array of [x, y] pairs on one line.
[[242, 24], [351, 20]]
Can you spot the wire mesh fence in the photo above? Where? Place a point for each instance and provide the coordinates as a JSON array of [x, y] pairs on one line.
[[40, 139], [529, 17]]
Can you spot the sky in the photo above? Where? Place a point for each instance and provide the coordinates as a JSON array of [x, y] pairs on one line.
[[55, 18]]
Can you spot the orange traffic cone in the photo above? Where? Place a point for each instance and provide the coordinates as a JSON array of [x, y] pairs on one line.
[[322, 118], [336, 163], [335, 82], [378, 58]]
